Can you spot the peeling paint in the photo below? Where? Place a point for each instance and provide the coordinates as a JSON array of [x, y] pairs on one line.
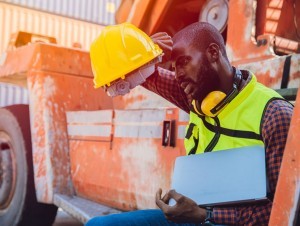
[[126, 165], [138, 163], [36, 60]]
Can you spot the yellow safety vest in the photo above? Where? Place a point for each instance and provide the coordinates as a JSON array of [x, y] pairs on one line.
[[237, 125]]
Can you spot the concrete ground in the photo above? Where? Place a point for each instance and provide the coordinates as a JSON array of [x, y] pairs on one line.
[[64, 219]]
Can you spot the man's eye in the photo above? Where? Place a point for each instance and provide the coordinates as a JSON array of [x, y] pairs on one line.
[[185, 61], [182, 62]]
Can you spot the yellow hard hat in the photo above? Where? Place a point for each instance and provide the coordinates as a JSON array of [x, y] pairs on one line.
[[119, 50]]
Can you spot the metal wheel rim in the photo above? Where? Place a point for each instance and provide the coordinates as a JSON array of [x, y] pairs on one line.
[[215, 12]]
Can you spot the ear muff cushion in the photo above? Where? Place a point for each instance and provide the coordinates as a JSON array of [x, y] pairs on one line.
[[210, 101]]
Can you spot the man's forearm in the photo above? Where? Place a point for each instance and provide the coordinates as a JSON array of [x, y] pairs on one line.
[[163, 83]]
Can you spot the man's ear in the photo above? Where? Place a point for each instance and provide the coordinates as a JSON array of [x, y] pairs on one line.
[[213, 52]]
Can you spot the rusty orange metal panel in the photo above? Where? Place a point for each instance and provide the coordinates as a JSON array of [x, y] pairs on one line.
[[58, 80], [138, 11], [51, 94], [144, 14], [125, 177], [241, 47], [66, 31], [45, 57], [286, 203], [248, 41], [270, 71], [126, 172], [158, 11], [258, 55]]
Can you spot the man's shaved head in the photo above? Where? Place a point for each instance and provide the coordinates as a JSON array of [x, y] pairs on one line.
[[200, 35]]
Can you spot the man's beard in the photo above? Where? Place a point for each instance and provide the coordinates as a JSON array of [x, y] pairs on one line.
[[208, 81]]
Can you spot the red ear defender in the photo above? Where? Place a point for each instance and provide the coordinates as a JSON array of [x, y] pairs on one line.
[[215, 101]]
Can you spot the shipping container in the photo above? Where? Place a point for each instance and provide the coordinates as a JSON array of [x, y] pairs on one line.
[[12, 94], [95, 11], [66, 31]]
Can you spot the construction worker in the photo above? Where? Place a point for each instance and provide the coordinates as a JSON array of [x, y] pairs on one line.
[[227, 106]]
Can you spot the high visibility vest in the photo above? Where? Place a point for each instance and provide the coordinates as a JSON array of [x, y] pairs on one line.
[[237, 125]]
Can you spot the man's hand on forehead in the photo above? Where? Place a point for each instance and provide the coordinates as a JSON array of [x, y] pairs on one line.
[[165, 42]]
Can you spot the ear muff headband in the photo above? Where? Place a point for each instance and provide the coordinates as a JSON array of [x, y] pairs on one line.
[[229, 97]]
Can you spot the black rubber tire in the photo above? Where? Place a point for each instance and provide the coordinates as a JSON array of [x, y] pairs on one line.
[[21, 208]]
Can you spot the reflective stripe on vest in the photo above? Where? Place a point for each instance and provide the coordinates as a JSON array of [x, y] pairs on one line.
[[237, 125]]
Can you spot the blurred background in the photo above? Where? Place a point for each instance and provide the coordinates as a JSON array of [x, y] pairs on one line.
[[73, 23]]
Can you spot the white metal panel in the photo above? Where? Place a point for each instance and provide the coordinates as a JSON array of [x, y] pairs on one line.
[[95, 11], [90, 117], [12, 94], [66, 31], [90, 123], [89, 130], [145, 123]]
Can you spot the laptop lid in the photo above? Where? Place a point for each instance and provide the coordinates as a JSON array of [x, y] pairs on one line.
[[219, 178]]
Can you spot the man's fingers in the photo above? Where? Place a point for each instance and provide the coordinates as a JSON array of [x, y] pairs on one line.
[[164, 46], [166, 198], [162, 35], [158, 194], [162, 203], [176, 196], [157, 34], [165, 42], [159, 202]]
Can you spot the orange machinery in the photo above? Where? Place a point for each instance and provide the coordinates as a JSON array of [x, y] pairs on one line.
[[92, 155]]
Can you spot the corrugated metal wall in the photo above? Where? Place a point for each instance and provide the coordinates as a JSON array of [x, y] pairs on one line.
[[95, 11], [12, 94], [66, 31]]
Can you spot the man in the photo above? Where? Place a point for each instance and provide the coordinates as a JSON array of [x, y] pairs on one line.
[[228, 109]]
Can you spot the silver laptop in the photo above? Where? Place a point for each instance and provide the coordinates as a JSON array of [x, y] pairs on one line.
[[219, 178]]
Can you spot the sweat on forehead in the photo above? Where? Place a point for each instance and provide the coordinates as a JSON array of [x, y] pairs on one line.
[[200, 35]]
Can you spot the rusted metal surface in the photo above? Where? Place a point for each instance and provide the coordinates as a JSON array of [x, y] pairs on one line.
[[249, 43], [270, 72], [48, 102], [126, 170], [240, 45], [138, 13], [258, 56], [57, 79], [82, 209], [286, 205], [153, 16], [66, 31]]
